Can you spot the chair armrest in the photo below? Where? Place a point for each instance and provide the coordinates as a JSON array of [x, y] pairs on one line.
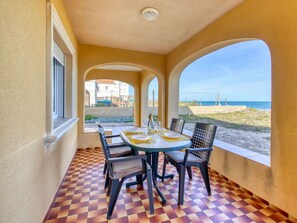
[[126, 158], [111, 136], [200, 149], [189, 150], [116, 145]]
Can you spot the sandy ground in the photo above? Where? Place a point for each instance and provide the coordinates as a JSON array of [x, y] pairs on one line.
[[254, 141]]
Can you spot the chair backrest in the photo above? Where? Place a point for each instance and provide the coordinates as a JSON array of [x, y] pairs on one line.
[[203, 137], [177, 125], [104, 144]]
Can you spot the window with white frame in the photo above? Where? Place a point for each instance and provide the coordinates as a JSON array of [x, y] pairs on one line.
[[61, 79], [58, 82]]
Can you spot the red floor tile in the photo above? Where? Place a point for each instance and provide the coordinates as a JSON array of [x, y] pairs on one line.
[[82, 198]]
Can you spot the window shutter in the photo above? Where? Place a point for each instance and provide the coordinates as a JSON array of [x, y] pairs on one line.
[[58, 53]]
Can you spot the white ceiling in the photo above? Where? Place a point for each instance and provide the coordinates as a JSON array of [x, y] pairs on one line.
[[119, 24]]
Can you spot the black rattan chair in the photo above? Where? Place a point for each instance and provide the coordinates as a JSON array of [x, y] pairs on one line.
[[118, 149], [121, 168], [197, 155], [177, 125]]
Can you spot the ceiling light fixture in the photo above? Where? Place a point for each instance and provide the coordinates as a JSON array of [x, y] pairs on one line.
[[149, 14]]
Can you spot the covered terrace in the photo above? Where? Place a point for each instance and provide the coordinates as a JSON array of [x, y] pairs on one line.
[[46, 156]]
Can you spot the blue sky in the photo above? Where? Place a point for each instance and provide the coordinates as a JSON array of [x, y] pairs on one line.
[[239, 72]]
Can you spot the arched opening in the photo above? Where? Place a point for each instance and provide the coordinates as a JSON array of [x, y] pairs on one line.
[[111, 103], [153, 96], [231, 87], [137, 76]]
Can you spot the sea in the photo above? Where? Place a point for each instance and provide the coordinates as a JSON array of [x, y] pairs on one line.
[[260, 105]]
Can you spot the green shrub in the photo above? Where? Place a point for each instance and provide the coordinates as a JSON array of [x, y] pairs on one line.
[[89, 117]]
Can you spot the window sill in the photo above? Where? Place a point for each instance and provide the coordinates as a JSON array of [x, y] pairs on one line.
[[59, 122], [259, 158], [58, 132]]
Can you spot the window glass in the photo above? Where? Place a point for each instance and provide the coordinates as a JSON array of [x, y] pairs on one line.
[[58, 82], [58, 89]]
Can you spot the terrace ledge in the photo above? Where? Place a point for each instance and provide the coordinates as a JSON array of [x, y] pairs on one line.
[[251, 155]]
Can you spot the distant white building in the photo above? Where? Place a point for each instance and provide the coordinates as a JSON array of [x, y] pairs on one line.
[[90, 93], [104, 90]]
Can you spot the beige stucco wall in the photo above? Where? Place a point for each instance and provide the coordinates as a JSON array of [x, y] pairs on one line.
[[109, 111], [30, 172], [275, 22]]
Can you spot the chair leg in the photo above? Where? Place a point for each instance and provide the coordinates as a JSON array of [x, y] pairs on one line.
[[204, 171], [139, 179], [109, 188], [106, 180], [150, 190], [105, 167], [181, 187], [115, 190], [189, 170], [164, 167]]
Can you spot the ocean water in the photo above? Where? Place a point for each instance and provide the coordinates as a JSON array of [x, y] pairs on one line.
[[260, 105]]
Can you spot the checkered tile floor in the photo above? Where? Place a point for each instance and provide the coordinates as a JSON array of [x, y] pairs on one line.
[[81, 198]]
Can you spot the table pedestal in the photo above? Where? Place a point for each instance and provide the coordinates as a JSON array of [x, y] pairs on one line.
[[152, 159]]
